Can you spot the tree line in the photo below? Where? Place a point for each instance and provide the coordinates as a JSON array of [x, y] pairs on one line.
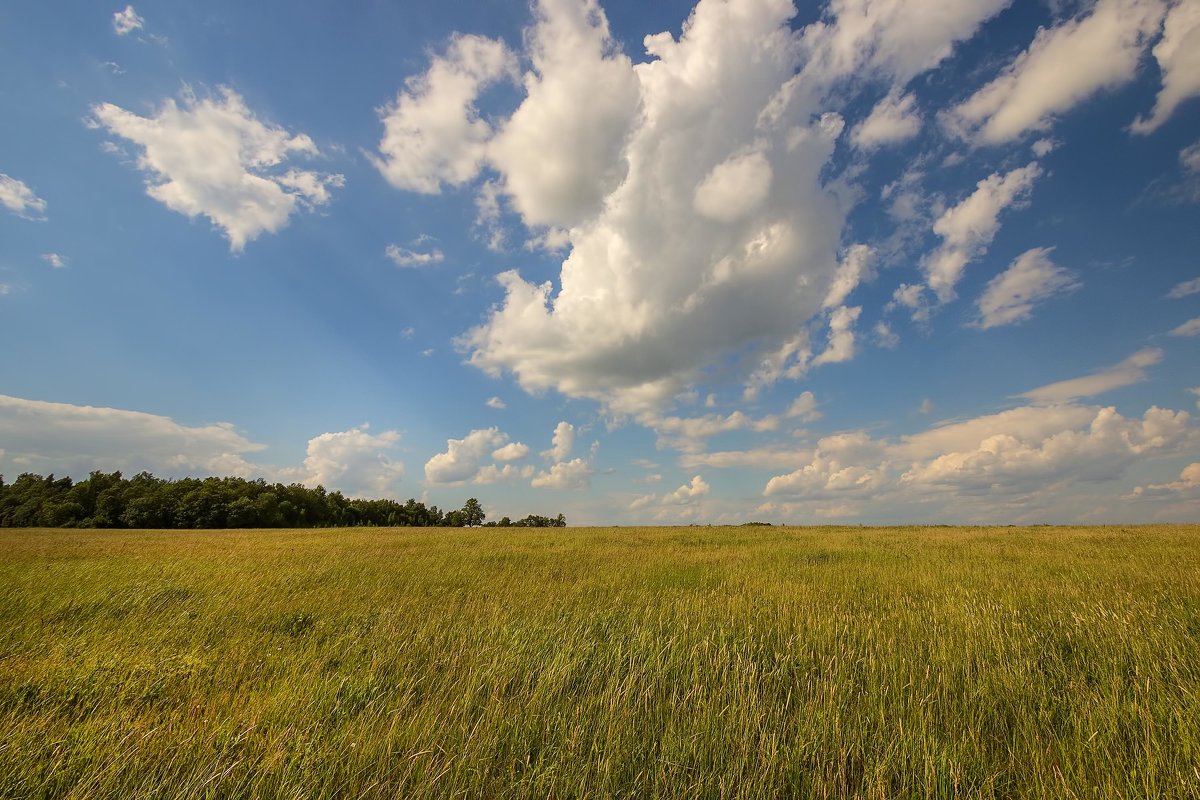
[[109, 500]]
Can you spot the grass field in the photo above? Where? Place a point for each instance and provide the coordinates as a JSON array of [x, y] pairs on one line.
[[609, 662]]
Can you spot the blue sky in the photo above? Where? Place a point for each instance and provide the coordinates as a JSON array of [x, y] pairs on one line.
[[898, 261]]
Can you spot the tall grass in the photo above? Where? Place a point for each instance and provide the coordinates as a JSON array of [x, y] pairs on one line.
[[631, 662]]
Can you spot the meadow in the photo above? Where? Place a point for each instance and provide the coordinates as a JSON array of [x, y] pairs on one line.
[[752, 662]]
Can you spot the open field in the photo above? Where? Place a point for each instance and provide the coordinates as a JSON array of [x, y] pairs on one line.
[[616, 662]]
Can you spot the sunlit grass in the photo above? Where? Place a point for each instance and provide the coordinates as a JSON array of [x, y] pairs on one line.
[[626, 662]]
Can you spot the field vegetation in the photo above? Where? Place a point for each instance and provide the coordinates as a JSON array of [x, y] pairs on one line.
[[755, 662]]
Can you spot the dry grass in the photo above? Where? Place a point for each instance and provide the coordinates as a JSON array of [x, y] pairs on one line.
[[630, 662]]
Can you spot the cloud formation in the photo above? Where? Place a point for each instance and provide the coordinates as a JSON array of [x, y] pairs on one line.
[[127, 21], [213, 157], [968, 228], [433, 135], [1063, 66], [1178, 57], [1031, 279], [18, 198], [1128, 372]]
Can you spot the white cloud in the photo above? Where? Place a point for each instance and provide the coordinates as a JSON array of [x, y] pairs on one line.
[[411, 258], [54, 260], [631, 321], [1189, 328], [734, 189], [840, 463], [62, 438], [509, 473], [642, 502], [573, 474], [18, 198], [463, 457], [1178, 56], [1189, 157], [496, 403], [841, 337], [513, 451], [1128, 372], [4, 289], [894, 119], [1189, 481], [772, 457], [1044, 147], [1031, 279], [432, 131], [890, 39], [688, 493], [355, 462], [213, 157], [804, 408], [1062, 67], [856, 266], [1019, 452], [968, 228], [1100, 449], [1184, 289], [687, 434], [562, 442], [127, 21], [560, 151], [884, 336]]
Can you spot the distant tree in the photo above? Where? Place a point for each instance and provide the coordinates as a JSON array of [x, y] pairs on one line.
[[472, 513]]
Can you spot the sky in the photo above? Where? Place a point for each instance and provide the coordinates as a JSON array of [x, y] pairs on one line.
[[886, 261]]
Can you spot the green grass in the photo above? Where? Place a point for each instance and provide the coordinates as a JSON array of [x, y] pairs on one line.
[[618, 662]]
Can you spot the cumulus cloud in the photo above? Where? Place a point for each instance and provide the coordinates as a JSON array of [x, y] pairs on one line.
[[691, 187], [496, 403], [54, 260], [433, 135], [968, 228], [62, 438], [889, 39], [513, 451], [1178, 56], [463, 457], [356, 462], [894, 119], [1063, 66], [402, 257], [1015, 452], [573, 474], [18, 198], [213, 157], [508, 473], [856, 266], [688, 493], [804, 408], [1031, 279], [1128, 372], [841, 337], [560, 151], [127, 21], [1188, 482], [1189, 328], [1100, 449], [841, 463], [562, 442], [679, 242]]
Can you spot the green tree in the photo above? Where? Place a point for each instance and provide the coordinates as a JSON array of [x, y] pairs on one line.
[[472, 513]]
